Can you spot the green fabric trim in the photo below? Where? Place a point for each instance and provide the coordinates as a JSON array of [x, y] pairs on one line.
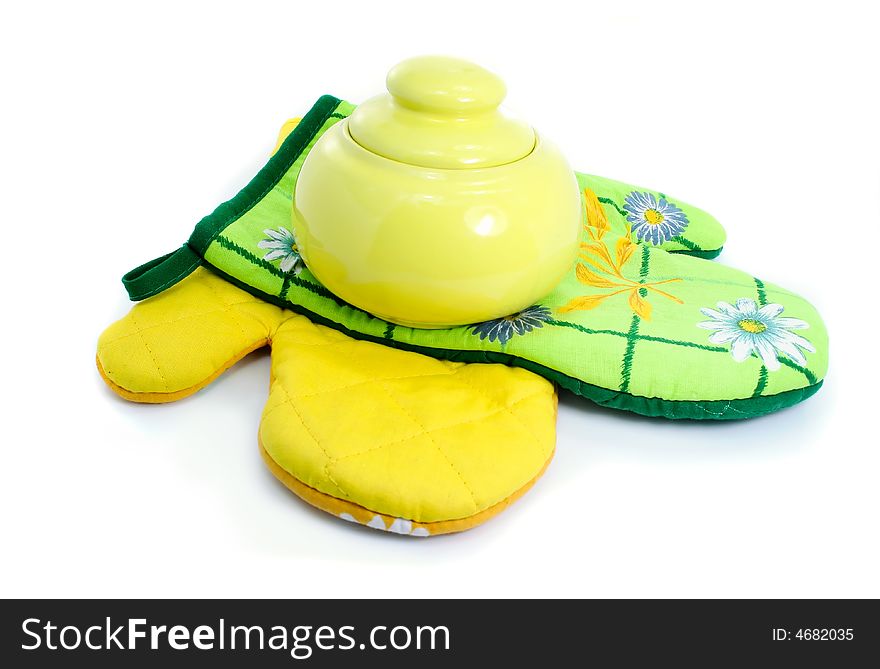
[[654, 407], [154, 276], [157, 275], [267, 178]]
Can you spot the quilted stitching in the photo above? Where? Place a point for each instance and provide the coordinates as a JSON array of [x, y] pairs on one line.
[[139, 331], [317, 441], [474, 425], [389, 431], [179, 339]]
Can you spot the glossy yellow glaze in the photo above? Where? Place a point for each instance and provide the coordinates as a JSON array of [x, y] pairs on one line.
[[424, 238], [441, 112]]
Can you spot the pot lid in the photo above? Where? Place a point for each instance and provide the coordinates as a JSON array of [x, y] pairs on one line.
[[443, 113]]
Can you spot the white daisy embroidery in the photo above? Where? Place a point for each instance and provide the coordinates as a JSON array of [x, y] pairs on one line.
[[398, 526], [281, 244], [762, 331]]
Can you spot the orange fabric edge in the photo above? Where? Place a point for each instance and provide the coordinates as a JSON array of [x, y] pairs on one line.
[[162, 398], [362, 515]]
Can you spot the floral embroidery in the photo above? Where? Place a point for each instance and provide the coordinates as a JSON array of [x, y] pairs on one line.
[[762, 331], [600, 268], [652, 220], [503, 329], [398, 525], [281, 244]]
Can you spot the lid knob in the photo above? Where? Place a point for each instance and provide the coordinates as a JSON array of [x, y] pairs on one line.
[[441, 112], [445, 86]]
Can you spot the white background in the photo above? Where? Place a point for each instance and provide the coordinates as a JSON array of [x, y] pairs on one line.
[[121, 127]]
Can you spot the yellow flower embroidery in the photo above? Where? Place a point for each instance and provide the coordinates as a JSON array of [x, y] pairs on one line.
[[599, 267]]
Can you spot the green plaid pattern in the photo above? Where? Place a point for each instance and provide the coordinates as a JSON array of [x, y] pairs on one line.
[[653, 360]]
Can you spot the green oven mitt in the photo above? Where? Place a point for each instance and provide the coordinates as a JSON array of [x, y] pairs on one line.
[[642, 322]]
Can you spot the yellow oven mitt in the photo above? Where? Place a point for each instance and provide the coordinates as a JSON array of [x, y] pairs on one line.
[[390, 439]]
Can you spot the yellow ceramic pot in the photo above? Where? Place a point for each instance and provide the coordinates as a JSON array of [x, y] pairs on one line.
[[430, 208]]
